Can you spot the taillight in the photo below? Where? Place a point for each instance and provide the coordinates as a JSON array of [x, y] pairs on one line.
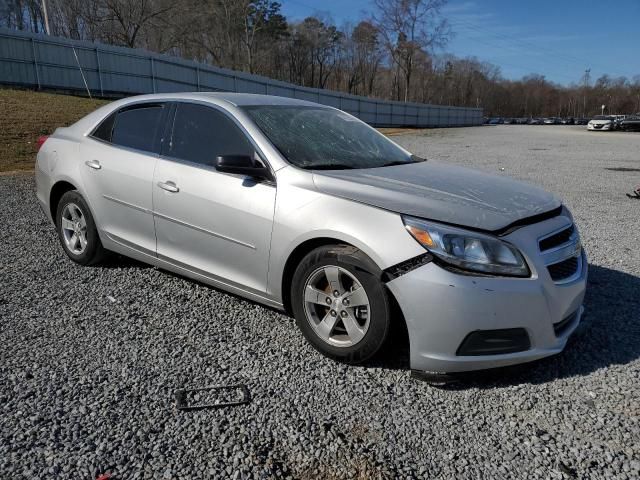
[[41, 141]]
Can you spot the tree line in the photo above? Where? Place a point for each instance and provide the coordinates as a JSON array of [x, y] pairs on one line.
[[390, 53]]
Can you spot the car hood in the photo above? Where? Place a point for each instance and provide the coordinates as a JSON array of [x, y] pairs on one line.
[[600, 122], [440, 192]]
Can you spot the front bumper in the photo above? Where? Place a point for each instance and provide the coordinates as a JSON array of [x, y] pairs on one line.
[[442, 308]]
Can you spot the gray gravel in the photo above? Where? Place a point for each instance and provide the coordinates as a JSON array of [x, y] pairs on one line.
[[91, 357]]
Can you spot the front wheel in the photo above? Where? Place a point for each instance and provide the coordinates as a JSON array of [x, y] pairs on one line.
[[77, 230], [340, 304]]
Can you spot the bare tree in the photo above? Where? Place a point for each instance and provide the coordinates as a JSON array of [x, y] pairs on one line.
[[409, 27], [129, 17], [364, 52], [260, 17], [392, 55]]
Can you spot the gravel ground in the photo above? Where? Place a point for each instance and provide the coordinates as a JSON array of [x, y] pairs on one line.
[[91, 357]]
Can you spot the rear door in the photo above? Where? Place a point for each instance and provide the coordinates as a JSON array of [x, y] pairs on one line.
[[117, 170], [213, 223]]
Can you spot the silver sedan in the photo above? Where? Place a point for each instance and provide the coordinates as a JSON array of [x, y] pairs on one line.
[[305, 208]]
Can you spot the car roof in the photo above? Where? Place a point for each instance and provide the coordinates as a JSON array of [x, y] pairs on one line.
[[236, 99], [233, 100]]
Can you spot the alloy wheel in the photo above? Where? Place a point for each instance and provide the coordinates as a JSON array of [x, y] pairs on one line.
[[74, 228], [336, 306]]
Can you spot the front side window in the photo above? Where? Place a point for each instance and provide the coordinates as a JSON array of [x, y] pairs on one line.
[[137, 127], [324, 138], [201, 133]]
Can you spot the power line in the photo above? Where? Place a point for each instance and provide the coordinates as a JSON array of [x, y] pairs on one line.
[[528, 69], [576, 60]]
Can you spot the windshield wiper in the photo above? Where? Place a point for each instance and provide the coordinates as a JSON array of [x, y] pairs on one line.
[[414, 159], [329, 166]]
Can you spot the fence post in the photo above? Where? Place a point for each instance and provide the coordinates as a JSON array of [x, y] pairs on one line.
[[99, 72], [153, 75], [35, 62]]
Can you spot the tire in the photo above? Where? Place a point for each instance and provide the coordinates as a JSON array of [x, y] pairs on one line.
[[77, 230], [353, 331]]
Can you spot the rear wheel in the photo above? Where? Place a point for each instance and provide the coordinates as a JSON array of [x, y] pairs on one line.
[[340, 304], [77, 230]]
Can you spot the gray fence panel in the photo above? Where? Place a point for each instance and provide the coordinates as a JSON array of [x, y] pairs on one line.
[[40, 61]]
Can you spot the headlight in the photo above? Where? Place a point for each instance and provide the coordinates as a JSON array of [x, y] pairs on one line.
[[468, 250]]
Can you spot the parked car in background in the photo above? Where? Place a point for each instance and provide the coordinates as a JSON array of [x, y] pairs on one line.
[[582, 121], [551, 121], [617, 120], [495, 121], [522, 121], [567, 121], [534, 121], [631, 123], [307, 209], [509, 121], [601, 122]]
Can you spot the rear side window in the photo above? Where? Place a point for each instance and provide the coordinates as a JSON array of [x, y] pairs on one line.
[[104, 130], [137, 127], [201, 133]]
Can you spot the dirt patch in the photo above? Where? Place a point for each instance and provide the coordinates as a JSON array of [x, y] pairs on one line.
[[390, 132], [26, 115]]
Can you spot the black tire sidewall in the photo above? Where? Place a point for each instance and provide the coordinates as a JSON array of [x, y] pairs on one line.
[[368, 274], [93, 252]]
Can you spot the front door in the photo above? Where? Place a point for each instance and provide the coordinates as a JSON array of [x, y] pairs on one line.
[[210, 222]]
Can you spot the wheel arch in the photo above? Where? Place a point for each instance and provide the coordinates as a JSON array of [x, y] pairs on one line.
[[398, 324], [294, 259], [57, 191]]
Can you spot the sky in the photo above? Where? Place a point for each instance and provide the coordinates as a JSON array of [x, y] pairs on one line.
[[559, 39]]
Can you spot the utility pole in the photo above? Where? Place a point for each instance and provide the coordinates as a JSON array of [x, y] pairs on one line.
[[585, 84], [45, 14]]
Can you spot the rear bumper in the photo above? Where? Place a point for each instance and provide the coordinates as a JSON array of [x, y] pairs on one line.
[[442, 309]]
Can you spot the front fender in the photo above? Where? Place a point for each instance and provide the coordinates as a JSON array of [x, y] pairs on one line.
[[302, 214]]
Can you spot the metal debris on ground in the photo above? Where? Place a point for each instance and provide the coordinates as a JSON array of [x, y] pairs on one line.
[[198, 398], [635, 194]]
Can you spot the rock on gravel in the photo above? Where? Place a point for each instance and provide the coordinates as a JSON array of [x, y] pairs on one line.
[[91, 357]]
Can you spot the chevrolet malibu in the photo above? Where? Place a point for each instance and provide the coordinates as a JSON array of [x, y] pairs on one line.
[[307, 209]]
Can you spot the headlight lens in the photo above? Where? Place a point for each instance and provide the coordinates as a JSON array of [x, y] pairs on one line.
[[467, 250]]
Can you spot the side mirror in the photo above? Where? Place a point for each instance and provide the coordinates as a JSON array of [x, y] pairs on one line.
[[243, 165]]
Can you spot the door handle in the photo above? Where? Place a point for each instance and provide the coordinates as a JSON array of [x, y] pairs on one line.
[[169, 186], [95, 164]]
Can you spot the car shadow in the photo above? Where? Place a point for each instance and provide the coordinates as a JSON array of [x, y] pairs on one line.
[[608, 336], [114, 260]]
